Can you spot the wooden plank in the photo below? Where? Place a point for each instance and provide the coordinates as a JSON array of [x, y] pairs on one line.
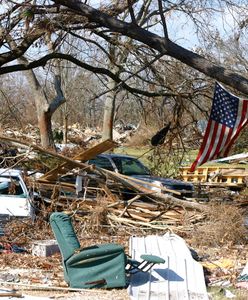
[[82, 156], [216, 176]]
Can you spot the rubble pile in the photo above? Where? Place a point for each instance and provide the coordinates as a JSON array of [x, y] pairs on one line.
[[76, 134], [105, 203]]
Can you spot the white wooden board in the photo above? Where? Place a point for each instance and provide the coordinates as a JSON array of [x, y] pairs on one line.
[[180, 277]]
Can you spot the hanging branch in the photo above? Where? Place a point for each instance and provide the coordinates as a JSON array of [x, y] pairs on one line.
[[163, 19], [130, 7]]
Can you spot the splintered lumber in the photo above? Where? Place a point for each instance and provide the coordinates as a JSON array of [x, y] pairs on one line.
[[137, 223], [133, 212], [82, 156], [13, 294]]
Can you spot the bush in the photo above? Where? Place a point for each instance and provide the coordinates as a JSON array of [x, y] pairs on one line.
[[224, 225]]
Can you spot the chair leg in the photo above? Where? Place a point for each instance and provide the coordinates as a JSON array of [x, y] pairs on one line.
[[145, 265]]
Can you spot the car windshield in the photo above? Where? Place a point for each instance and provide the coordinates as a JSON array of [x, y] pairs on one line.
[[130, 166]]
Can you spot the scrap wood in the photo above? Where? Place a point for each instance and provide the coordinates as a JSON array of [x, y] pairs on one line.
[[133, 215], [49, 186], [145, 217], [148, 183], [134, 211], [151, 184], [124, 180], [82, 156], [127, 203], [133, 223], [108, 192], [160, 214]]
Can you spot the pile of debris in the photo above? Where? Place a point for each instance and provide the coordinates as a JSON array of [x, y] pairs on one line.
[[102, 193], [74, 135], [98, 201]]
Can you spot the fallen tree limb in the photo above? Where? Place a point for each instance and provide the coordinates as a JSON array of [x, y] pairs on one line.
[[164, 198]]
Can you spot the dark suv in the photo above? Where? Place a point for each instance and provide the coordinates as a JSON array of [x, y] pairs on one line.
[[131, 166]]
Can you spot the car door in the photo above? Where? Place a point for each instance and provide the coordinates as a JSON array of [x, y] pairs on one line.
[[13, 197]]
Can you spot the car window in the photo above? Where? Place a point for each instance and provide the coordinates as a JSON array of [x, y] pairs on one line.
[[10, 186], [130, 166], [102, 162]]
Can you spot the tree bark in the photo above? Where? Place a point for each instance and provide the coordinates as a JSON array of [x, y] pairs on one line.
[[45, 127], [44, 115]]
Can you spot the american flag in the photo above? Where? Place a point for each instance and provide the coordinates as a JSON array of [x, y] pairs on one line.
[[229, 115]]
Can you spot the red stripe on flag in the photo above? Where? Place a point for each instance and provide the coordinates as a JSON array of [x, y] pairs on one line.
[[205, 139], [212, 142], [239, 128], [226, 142], [234, 139], [219, 137], [218, 150]]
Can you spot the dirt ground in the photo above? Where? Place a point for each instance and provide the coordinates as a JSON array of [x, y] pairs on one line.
[[29, 274]]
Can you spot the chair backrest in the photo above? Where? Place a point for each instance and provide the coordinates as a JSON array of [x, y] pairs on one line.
[[65, 235]]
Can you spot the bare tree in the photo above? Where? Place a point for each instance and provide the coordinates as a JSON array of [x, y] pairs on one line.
[[78, 15], [146, 23]]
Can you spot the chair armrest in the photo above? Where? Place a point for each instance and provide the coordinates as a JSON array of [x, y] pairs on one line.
[[154, 259], [148, 261], [90, 254]]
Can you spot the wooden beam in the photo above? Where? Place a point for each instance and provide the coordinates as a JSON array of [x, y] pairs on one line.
[[82, 156]]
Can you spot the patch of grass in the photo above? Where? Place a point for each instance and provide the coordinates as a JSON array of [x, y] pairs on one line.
[[133, 151], [140, 152]]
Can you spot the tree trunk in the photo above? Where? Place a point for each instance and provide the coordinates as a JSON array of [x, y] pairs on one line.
[[109, 110], [44, 109], [65, 131], [109, 106], [45, 127]]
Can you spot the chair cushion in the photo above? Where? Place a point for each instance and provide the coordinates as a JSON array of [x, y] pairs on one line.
[[64, 233]]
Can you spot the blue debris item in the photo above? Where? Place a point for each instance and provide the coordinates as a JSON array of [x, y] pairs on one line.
[[244, 274], [17, 249]]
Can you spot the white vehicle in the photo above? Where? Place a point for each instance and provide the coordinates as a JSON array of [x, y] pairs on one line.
[[15, 199]]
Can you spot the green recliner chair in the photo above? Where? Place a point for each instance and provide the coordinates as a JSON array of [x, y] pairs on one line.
[[98, 266], [91, 267]]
